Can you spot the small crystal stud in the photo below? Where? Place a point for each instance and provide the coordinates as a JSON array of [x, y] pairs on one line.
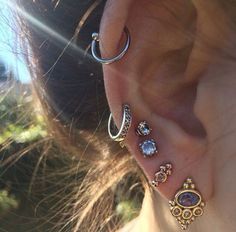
[[143, 129], [148, 148]]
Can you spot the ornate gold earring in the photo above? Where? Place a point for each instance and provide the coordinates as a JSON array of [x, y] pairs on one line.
[[187, 204], [143, 129], [162, 175]]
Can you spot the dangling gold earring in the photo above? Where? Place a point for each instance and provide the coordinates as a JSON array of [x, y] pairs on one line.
[[187, 204]]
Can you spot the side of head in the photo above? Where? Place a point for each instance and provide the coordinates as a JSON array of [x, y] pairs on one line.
[[178, 75]]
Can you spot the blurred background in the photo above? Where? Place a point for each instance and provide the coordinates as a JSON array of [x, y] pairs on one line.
[[34, 190]]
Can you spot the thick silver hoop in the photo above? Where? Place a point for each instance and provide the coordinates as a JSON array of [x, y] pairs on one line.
[[125, 125], [95, 37]]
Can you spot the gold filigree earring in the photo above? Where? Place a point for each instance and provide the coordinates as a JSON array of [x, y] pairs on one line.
[[187, 204]]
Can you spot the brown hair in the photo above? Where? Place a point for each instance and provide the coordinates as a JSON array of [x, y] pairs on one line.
[[70, 88]]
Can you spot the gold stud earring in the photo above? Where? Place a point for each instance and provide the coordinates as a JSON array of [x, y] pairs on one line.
[[187, 204], [162, 175]]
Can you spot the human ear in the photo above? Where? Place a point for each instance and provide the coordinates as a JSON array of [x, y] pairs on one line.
[[151, 78]]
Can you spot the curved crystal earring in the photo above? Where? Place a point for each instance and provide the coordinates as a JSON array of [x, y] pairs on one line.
[[125, 125]]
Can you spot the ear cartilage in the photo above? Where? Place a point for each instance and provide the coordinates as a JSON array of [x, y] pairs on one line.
[[187, 204], [143, 129], [148, 148], [162, 175]]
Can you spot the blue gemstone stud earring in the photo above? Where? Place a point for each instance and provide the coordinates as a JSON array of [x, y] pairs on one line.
[[143, 129], [148, 147]]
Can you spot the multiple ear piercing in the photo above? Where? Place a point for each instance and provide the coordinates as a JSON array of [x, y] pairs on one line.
[[187, 204], [147, 147]]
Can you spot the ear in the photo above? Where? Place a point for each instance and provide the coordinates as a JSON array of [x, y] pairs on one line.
[[152, 79]]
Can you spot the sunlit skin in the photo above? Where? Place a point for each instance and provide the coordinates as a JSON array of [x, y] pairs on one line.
[[177, 77]]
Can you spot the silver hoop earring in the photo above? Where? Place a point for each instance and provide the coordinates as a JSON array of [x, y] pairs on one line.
[[125, 125], [95, 37]]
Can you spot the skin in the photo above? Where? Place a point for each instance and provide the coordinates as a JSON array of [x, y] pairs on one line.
[[177, 77]]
